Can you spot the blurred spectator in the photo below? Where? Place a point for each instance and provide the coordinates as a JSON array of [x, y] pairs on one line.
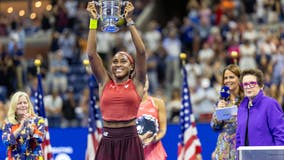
[[57, 75], [161, 65], [3, 111], [53, 106], [31, 88], [247, 55], [82, 19], [16, 46], [68, 109], [61, 17], [173, 106], [224, 27], [152, 62], [71, 8], [249, 33], [45, 21], [233, 34], [273, 8], [127, 41], [54, 45], [260, 11], [3, 67], [203, 100], [277, 62], [67, 44], [8, 74], [263, 61], [188, 32], [194, 70], [105, 45], [206, 54], [205, 13], [152, 36], [139, 5], [249, 8], [172, 45], [203, 30], [192, 8], [215, 41], [82, 111], [3, 25]]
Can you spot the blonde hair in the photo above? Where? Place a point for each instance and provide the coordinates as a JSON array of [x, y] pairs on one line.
[[11, 116]]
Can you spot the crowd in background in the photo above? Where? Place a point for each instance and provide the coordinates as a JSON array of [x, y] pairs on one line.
[[213, 34]]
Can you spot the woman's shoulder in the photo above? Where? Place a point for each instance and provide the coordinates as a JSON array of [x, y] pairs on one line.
[[6, 121], [6, 124], [158, 102], [270, 101]]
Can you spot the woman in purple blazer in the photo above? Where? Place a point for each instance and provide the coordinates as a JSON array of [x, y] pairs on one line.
[[260, 120]]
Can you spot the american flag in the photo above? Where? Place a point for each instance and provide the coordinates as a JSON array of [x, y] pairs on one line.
[[189, 146], [40, 110], [95, 123]]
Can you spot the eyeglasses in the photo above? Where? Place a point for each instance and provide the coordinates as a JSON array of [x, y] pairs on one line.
[[251, 84]]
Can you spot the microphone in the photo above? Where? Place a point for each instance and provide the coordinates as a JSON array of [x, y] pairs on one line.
[[225, 93]]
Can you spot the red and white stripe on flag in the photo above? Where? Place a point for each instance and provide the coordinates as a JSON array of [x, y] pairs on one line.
[[93, 144], [192, 146], [95, 124], [46, 146]]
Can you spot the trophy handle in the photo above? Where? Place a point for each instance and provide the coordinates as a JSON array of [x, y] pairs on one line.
[[99, 8], [123, 4]]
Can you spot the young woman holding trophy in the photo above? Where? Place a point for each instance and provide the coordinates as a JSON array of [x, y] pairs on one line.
[[120, 91], [152, 125]]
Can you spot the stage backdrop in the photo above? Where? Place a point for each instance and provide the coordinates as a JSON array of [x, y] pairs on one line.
[[70, 143]]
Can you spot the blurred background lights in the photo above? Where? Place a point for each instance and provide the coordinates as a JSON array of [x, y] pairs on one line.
[[33, 15], [10, 10], [38, 4], [49, 7], [22, 13]]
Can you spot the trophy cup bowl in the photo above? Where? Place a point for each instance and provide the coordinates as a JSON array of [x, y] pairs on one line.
[[147, 123], [110, 13]]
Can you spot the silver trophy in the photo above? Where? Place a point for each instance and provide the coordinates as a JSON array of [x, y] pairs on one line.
[[110, 13], [147, 123]]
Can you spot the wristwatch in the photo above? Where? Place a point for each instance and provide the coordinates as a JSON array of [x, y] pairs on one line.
[[130, 23]]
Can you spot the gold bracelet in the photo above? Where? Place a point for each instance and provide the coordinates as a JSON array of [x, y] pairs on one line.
[[93, 24]]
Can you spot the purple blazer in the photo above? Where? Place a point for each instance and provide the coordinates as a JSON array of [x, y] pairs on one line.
[[266, 122]]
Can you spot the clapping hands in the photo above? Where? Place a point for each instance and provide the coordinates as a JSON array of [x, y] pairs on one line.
[[25, 122]]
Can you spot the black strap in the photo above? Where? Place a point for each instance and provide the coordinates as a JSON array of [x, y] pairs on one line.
[[246, 137]]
